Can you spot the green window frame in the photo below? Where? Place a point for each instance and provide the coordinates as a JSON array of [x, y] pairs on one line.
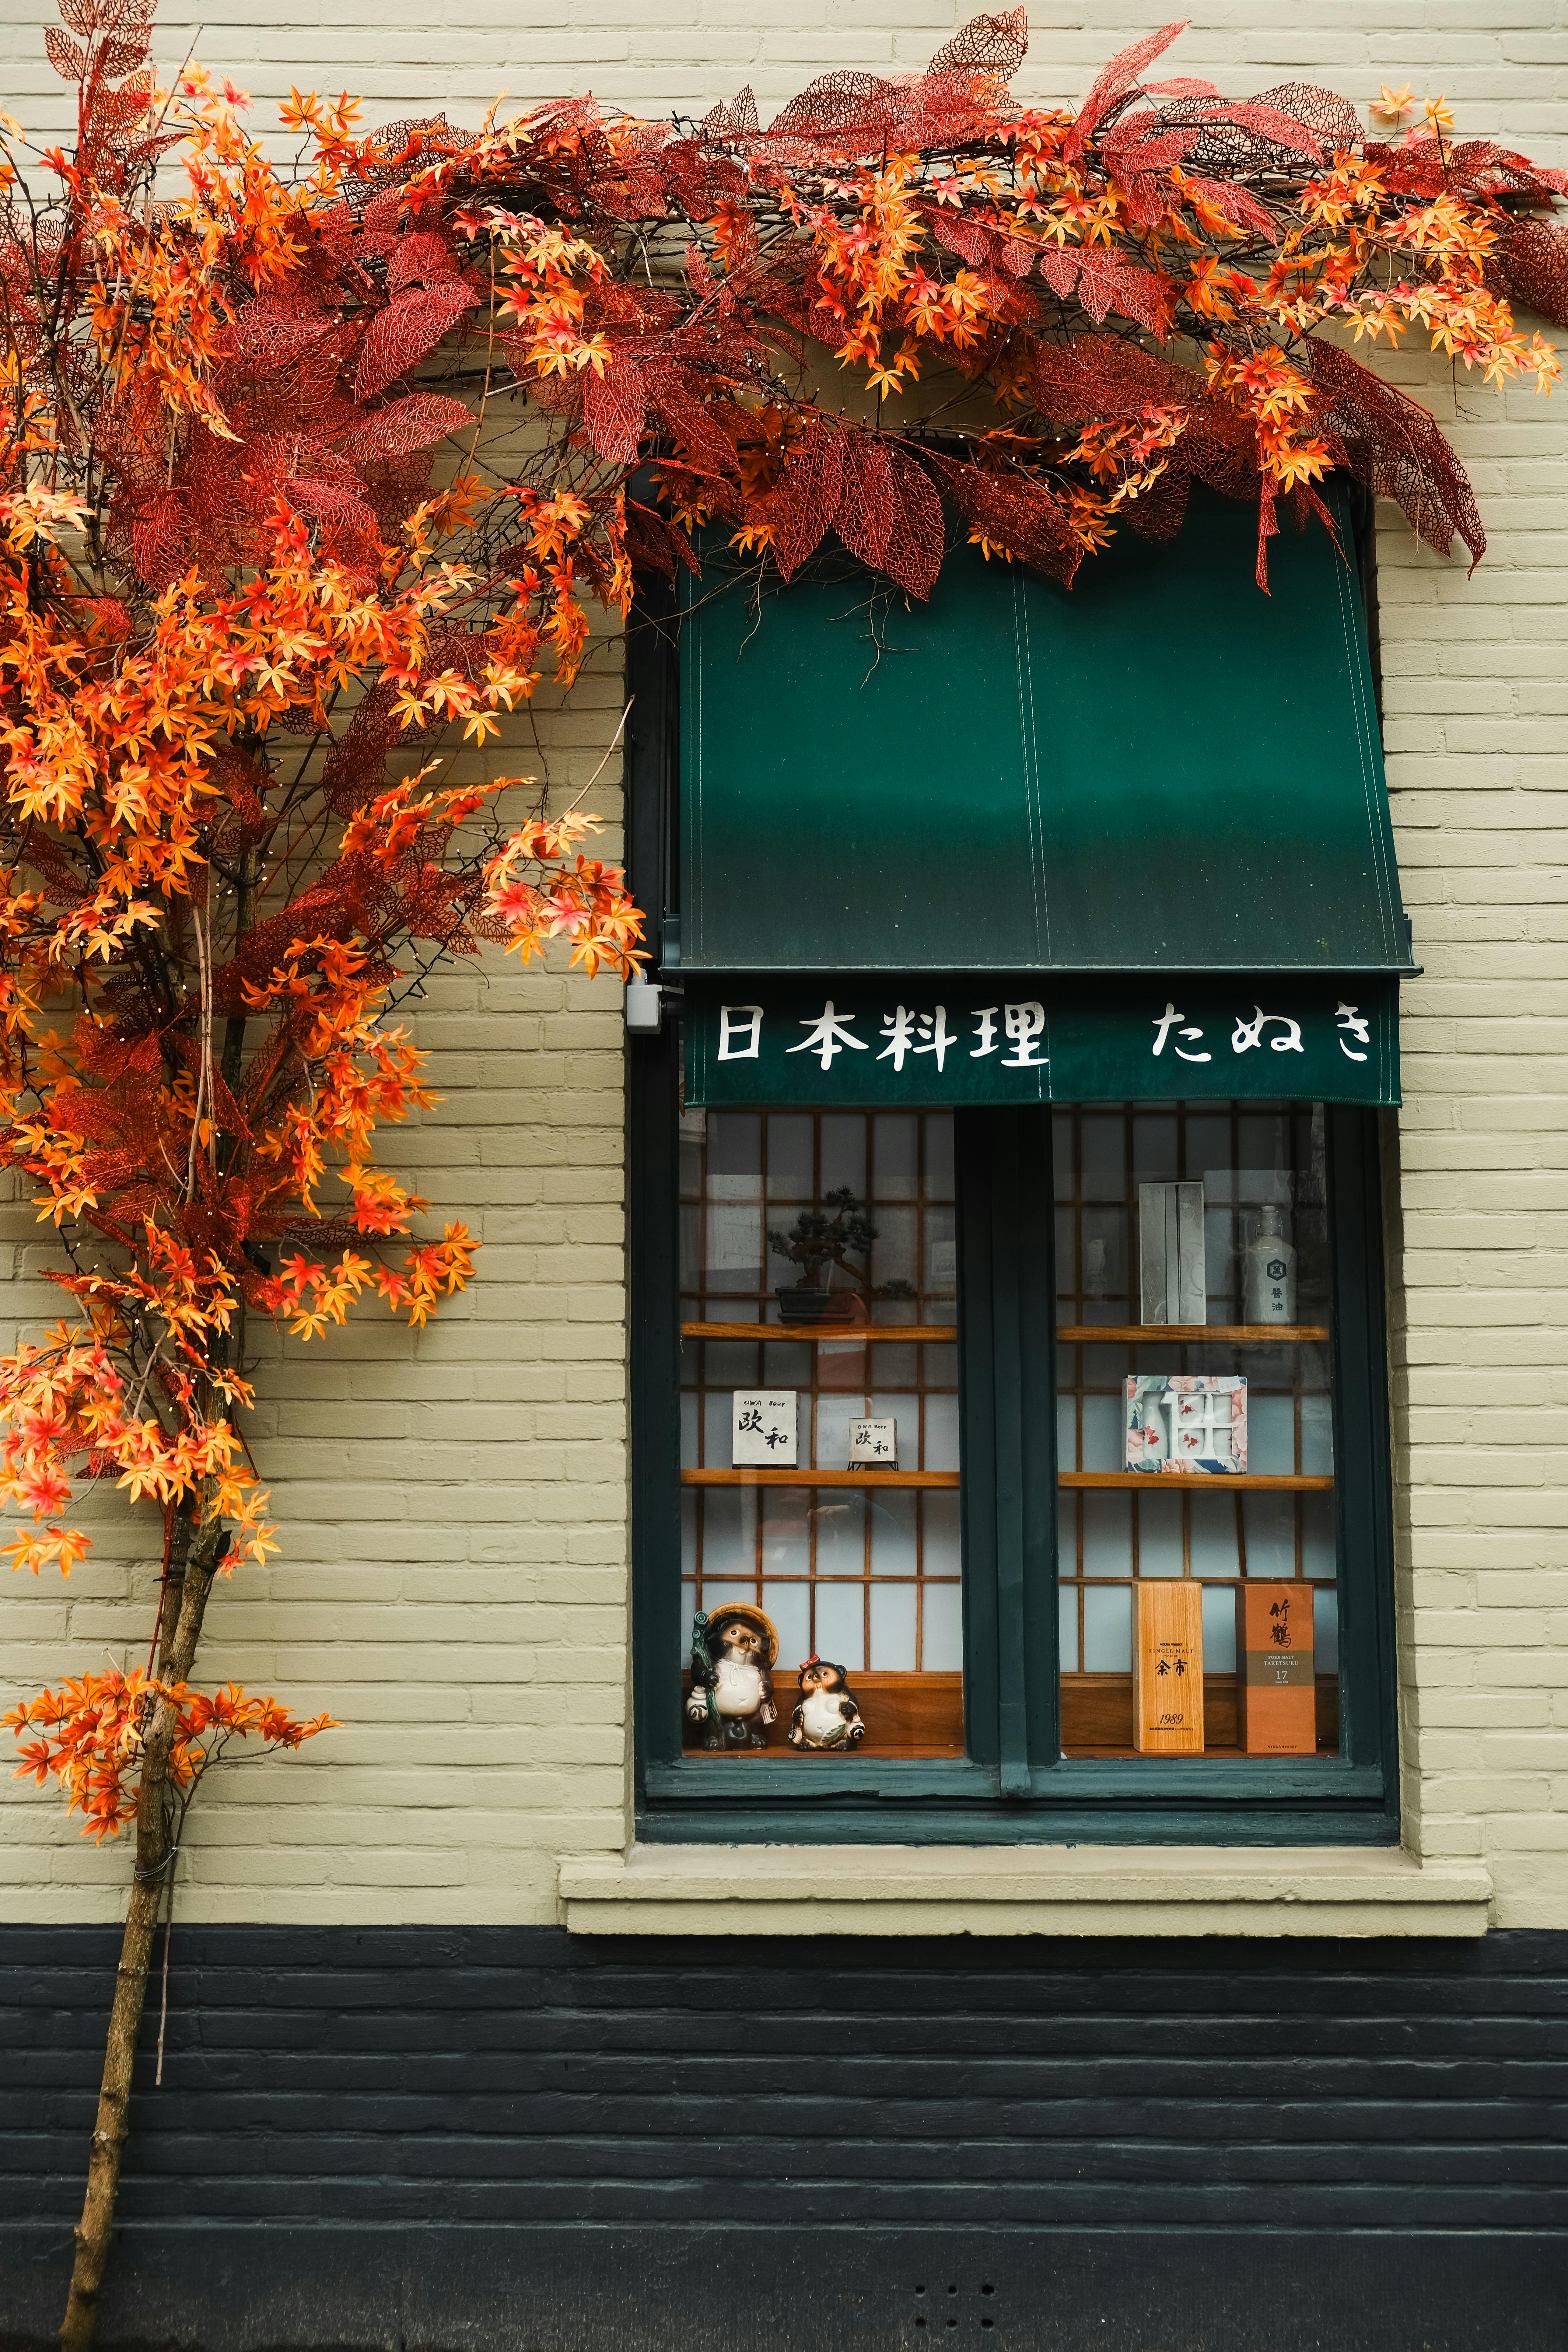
[[1013, 1785]]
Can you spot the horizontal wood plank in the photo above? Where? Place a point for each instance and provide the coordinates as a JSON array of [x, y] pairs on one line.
[[904, 1713], [876, 1334], [1096, 1715], [1237, 1335], [1209, 1479], [770, 1477]]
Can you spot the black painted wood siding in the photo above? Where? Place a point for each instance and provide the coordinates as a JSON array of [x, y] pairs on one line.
[[1196, 2092]]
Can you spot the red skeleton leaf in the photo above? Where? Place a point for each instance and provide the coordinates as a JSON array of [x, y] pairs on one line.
[[248, 618]]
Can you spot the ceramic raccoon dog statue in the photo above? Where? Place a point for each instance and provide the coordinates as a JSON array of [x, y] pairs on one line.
[[732, 1681], [827, 1716]]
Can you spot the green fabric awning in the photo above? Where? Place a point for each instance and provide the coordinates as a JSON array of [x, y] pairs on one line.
[[1162, 770]]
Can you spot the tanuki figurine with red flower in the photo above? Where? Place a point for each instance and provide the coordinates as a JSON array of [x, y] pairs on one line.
[[827, 1716]]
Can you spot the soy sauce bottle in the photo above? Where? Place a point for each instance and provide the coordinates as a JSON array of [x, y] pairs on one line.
[[1268, 1279]]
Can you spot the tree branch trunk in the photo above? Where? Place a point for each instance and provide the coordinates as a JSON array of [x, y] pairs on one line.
[[195, 1564], [244, 920], [93, 2230]]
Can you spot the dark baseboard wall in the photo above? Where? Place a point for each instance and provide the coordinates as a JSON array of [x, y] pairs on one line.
[[508, 2140]]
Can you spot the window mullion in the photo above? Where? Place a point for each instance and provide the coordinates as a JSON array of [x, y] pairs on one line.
[[1362, 1482], [1009, 1422]]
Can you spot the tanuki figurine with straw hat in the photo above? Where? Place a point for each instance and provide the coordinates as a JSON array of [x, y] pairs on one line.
[[734, 1694]]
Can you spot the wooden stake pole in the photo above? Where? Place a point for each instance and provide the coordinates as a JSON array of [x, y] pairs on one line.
[[154, 1857]]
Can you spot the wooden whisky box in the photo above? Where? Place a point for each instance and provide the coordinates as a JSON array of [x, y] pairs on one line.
[[1168, 1668], [1275, 1695]]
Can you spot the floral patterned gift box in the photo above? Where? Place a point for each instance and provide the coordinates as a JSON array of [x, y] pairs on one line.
[[1186, 1422]]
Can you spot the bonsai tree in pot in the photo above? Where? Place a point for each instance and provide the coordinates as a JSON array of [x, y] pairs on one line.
[[821, 1241]]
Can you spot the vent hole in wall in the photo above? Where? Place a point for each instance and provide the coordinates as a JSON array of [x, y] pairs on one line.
[[964, 2301]]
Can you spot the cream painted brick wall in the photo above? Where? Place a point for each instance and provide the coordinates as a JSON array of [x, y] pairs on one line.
[[453, 1504], [1475, 697], [1504, 63]]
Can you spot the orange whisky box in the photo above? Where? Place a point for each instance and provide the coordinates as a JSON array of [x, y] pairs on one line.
[[1168, 1668], [1276, 1694]]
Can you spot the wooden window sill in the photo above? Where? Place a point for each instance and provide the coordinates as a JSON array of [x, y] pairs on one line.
[[672, 1890]]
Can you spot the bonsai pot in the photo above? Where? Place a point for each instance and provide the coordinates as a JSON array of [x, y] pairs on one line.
[[798, 1304]]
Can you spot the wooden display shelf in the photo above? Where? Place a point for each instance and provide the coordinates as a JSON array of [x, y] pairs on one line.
[[1228, 1335], [1211, 1481], [1097, 1716], [904, 1713], [769, 1476], [1152, 1480], [882, 1335], [922, 1715], [859, 1334]]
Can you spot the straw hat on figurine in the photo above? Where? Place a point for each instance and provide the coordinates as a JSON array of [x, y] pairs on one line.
[[748, 1614]]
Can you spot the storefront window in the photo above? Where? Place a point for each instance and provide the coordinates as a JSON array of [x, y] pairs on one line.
[[820, 1465], [1048, 1445], [1194, 1431], [1132, 1577]]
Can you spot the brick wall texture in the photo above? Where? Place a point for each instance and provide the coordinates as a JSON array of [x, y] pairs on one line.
[[453, 1504]]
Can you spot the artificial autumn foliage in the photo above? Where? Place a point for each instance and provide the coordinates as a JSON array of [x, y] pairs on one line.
[[84, 1732], [246, 622]]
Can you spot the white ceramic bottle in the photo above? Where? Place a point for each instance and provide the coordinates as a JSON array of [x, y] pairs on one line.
[[1268, 1284]]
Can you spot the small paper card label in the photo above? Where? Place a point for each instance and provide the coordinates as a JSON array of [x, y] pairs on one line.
[[762, 1428], [873, 1445]]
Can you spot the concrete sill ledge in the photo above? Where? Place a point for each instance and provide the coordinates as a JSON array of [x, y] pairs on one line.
[[671, 1890]]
